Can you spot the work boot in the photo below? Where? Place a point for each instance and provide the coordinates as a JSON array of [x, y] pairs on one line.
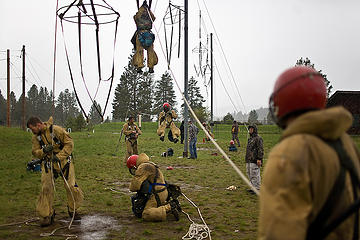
[[162, 138], [47, 221], [151, 70], [77, 215], [139, 70], [176, 140]]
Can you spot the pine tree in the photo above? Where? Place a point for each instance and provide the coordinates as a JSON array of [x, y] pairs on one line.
[[196, 100], [308, 63], [66, 106], [2, 109], [164, 92], [228, 118], [253, 117], [94, 116], [133, 95], [32, 101]]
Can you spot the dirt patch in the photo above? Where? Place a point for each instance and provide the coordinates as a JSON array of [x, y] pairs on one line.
[[97, 227], [119, 187], [206, 149]]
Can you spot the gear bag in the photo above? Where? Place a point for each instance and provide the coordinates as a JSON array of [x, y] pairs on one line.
[[146, 39]]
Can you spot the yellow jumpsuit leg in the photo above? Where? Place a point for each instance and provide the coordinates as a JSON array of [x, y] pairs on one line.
[[161, 129], [154, 213], [175, 131], [75, 190], [129, 150], [135, 149], [138, 58], [46, 199], [152, 58]]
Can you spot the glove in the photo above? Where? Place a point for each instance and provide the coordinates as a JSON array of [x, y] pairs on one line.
[[55, 159], [48, 148]]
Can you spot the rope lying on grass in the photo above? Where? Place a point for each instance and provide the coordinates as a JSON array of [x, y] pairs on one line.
[[68, 236], [26, 222], [196, 231]]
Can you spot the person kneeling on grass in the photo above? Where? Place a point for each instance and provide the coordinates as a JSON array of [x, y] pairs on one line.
[[232, 147], [154, 197]]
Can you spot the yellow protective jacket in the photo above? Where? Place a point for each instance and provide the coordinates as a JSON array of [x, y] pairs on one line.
[[61, 135], [300, 173], [128, 129], [168, 117]]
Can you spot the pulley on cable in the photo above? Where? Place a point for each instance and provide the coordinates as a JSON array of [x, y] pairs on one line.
[[173, 15], [143, 38], [89, 14]]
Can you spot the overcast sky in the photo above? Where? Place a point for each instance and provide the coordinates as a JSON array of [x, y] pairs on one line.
[[260, 39]]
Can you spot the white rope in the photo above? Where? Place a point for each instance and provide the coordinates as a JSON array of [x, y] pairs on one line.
[[196, 231], [72, 196], [244, 178]]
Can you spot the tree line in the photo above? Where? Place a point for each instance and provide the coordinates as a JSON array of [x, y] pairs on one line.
[[136, 93]]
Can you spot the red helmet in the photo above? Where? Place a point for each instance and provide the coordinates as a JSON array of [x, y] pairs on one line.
[[298, 88], [131, 162], [232, 142], [166, 106]]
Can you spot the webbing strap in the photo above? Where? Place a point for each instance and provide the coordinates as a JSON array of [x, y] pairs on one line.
[[81, 65], [318, 229], [70, 71]]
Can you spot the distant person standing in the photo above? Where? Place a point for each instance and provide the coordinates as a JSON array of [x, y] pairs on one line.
[[131, 132], [254, 156], [182, 132], [235, 132], [193, 131]]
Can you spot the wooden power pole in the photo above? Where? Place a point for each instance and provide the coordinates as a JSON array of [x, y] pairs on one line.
[[23, 88], [8, 89]]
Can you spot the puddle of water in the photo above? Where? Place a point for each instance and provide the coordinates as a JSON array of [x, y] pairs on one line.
[[96, 227]]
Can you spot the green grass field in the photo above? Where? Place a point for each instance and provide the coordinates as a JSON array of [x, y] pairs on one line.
[[229, 214]]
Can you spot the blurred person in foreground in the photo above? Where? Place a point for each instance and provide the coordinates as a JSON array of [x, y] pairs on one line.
[[310, 186]]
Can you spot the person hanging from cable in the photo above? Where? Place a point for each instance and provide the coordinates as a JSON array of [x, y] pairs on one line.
[[166, 118], [143, 38], [131, 132], [154, 197], [54, 146]]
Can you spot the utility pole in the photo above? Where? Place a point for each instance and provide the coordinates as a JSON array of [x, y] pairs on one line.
[[23, 88], [186, 122], [211, 82], [8, 89]]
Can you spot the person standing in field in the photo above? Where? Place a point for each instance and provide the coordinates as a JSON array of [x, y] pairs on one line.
[[53, 145], [182, 132], [254, 157], [235, 132], [131, 132], [311, 181], [193, 131]]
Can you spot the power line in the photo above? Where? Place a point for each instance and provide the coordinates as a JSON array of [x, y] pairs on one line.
[[222, 50]]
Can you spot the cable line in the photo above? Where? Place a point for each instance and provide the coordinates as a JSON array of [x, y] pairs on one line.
[[238, 171], [227, 63]]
